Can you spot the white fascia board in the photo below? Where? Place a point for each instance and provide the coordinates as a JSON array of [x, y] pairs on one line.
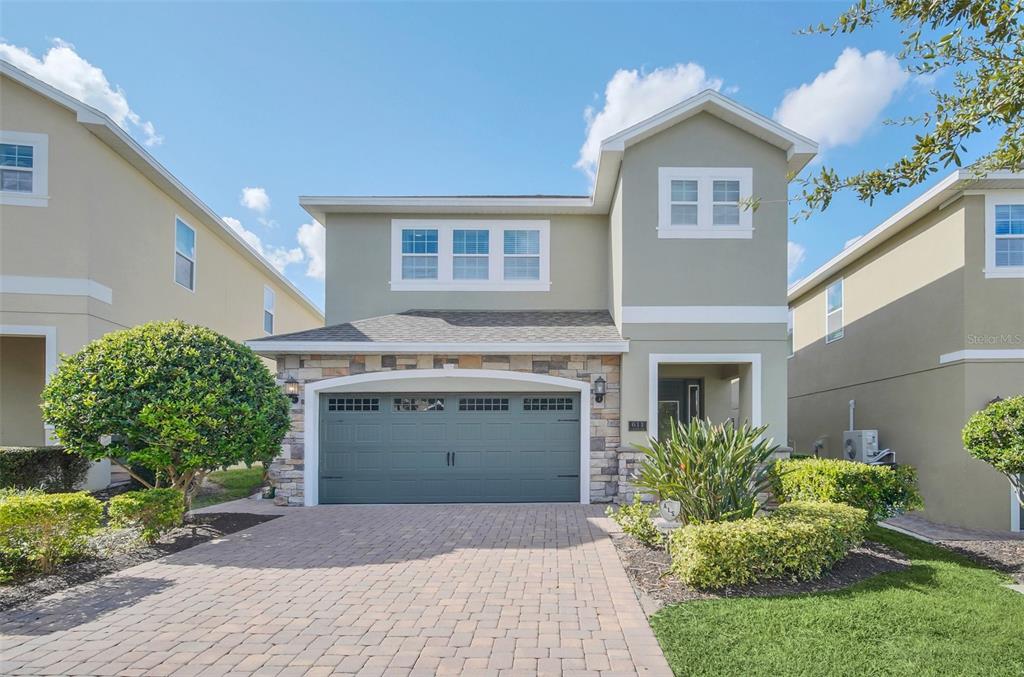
[[705, 314], [364, 347]]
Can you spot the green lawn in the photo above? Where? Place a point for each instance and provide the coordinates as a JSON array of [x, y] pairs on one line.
[[941, 616], [228, 485]]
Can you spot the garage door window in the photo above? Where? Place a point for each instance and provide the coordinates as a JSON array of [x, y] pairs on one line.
[[419, 404], [353, 404], [547, 404], [483, 404]]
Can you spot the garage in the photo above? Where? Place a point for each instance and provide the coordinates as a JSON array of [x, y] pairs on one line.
[[449, 447]]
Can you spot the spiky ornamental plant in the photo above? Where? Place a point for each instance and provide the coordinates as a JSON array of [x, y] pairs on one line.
[[715, 471]]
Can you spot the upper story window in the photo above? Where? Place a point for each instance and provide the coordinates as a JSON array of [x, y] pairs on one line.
[[465, 255], [268, 309], [1004, 234], [184, 254], [704, 202], [834, 311], [23, 169]]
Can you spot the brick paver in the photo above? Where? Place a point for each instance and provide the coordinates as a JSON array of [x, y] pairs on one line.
[[368, 590]]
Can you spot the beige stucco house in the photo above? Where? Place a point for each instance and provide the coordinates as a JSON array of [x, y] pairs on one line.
[[96, 236], [516, 348], [919, 323]]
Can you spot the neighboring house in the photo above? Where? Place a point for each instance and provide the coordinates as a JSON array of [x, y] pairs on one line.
[[920, 323], [516, 348], [96, 236]]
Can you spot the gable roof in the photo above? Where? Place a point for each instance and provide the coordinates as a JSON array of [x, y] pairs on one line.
[[934, 198], [799, 151], [124, 145]]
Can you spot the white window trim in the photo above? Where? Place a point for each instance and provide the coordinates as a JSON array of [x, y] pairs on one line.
[[495, 254], [195, 254], [992, 198], [705, 177], [841, 310], [272, 310], [39, 197]]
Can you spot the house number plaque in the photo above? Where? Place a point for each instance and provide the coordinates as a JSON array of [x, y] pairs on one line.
[[637, 426]]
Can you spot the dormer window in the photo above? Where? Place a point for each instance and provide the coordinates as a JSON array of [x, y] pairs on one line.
[[704, 202]]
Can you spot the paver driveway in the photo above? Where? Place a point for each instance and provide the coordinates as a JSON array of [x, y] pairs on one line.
[[464, 589]]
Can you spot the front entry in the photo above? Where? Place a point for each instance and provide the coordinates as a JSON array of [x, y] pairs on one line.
[[449, 447], [679, 401]]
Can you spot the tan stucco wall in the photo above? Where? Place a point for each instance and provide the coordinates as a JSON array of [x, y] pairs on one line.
[[22, 377]]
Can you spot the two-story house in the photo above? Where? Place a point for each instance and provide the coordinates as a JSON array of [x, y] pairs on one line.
[[516, 348], [96, 236], [909, 331]]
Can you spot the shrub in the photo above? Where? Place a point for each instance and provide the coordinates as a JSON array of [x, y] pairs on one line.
[[996, 435], [154, 511], [881, 490], [177, 399], [42, 530], [52, 469], [714, 471], [800, 541], [637, 521]]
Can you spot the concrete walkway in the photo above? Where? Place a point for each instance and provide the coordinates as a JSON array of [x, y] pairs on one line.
[[374, 590], [934, 532]]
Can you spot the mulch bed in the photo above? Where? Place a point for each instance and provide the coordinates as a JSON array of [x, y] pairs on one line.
[[121, 549], [1002, 555], [648, 571]]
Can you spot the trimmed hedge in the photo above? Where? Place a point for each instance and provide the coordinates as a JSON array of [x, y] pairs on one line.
[[637, 521], [51, 469], [154, 511], [799, 541], [39, 531], [881, 490]]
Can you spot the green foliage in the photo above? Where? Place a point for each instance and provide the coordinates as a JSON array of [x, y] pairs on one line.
[[714, 471], [154, 511], [981, 42], [39, 531], [52, 469], [996, 435], [228, 485], [800, 541], [177, 399], [637, 521], [879, 489]]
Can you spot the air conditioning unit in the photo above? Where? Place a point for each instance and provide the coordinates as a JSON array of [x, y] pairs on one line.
[[862, 446]]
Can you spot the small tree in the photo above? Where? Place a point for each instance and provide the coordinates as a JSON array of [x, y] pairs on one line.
[[177, 399], [996, 435]]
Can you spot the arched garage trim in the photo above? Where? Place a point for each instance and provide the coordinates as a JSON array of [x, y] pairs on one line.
[[311, 474]]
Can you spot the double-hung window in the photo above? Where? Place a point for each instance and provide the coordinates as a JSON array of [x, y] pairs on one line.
[[834, 311], [184, 255], [470, 255], [23, 169], [268, 310], [1009, 236], [704, 202]]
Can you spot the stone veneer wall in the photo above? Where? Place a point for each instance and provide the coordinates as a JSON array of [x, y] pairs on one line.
[[605, 465]]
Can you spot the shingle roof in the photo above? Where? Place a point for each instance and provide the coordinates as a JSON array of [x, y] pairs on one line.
[[467, 326]]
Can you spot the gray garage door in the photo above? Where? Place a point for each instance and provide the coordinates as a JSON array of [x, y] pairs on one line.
[[449, 447]]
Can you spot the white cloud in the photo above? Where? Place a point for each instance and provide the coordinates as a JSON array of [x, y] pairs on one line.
[[255, 198], [279, 257], [844, 102], [63, 68], [631, 96], [795, 255], [312, 238]]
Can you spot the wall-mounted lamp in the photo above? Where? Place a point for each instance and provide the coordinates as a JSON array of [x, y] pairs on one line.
[[291, 389], [599, 389]]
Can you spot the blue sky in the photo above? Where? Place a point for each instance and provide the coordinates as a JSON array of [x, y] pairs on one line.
[[339, 98]]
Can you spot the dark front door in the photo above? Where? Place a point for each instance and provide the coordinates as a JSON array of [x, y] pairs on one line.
[[679, 400]]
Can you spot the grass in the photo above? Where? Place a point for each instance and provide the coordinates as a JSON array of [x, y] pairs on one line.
[[229, 485], [944, 615]]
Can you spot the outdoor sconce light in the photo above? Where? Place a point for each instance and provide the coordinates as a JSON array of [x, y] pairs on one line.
[[291, 389], [599, 389]]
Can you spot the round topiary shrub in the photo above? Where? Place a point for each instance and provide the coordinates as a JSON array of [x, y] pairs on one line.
[[996, 435], [177, 399]]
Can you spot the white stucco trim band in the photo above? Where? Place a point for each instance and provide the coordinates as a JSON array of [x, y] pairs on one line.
[[271, 348], [705, 314], [49, 335], [984, 355], [311, 436], [57, 286], [657, 359]]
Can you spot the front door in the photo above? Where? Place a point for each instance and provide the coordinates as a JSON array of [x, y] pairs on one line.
[[679, 401]]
